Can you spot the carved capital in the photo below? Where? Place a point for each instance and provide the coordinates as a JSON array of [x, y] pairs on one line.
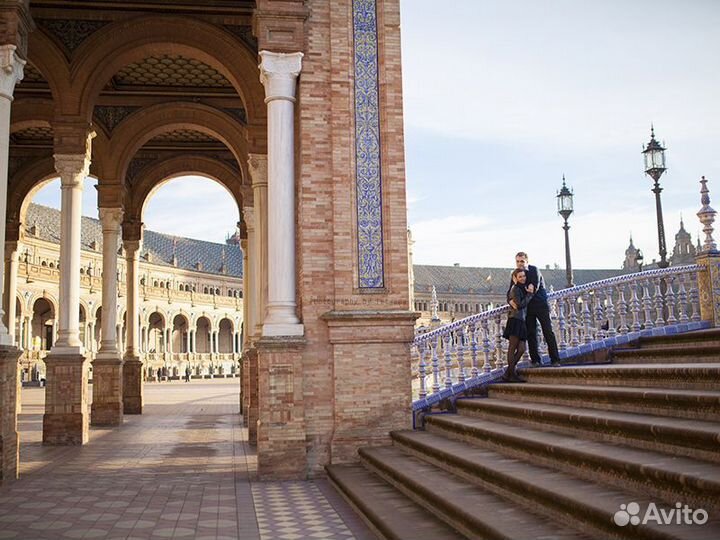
[[132, 248], [72, 168], [111, 218], [249, 218], [11, 70], [258, 168], [278, 74]]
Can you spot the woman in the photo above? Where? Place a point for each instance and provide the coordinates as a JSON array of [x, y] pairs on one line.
[[515, 329]]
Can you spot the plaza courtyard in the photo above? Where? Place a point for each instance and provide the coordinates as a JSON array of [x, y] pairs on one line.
[[183, 469]]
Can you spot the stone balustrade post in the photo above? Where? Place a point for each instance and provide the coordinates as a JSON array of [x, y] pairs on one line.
[[709, 260]]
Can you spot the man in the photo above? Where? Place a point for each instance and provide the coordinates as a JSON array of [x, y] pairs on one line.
[[537, 310]]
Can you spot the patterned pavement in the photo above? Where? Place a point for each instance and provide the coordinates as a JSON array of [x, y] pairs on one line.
[[183, 469]]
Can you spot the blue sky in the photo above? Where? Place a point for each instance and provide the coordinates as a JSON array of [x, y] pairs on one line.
[[503, 98]]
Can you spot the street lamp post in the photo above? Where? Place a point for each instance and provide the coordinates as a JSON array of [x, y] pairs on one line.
[[654, 155], [565, 208]]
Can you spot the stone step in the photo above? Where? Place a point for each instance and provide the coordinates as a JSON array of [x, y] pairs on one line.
[[664, 476], [692, 404], [676, 436], [699, 376], [389, 513], [710, 336], [477, 513], [560, 496], [679, 354]]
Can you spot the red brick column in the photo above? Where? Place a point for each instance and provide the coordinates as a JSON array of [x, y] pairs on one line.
[[372, 378], [9, 397], [132, 391], [250, 393], [281, 439], [66, 419]]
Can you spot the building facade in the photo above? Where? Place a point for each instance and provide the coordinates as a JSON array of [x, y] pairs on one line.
[[295, 106], [191, 300]]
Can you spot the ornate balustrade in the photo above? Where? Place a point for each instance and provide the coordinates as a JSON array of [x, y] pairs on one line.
[[470, 352]]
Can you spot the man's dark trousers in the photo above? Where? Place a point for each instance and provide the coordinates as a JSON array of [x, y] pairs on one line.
[[537, 311]]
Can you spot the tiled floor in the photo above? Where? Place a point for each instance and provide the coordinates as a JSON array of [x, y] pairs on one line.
[[183, 469]]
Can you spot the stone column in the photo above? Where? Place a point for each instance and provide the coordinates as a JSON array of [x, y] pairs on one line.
[[252, 280], [28, 333], [107, 405], [11, 72], [9, 301], [248, 303], [66, 396], [258, 255], [278, 73], [132, 366], [72, 170]]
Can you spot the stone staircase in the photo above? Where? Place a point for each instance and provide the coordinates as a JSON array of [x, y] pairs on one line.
[[556, 457]]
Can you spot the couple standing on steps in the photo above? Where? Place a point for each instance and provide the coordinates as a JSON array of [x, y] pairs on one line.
[[528, 305]]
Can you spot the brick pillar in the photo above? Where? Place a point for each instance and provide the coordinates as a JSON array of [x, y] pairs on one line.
[[281, 437], [250, 393], [107, 405], [9, 398], [132, 365], [371, 398], [709, 287]]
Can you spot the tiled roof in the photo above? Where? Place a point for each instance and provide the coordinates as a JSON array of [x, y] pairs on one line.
[[469, 280], [160, 247]]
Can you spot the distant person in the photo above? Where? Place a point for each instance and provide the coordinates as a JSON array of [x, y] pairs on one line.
[[159, 374], [187, 374], [537, 310], [519, 296]]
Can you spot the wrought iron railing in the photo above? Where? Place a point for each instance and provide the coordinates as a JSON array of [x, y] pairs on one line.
[[458, 356]]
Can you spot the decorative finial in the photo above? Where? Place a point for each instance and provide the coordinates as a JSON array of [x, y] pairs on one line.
[[434, 304], [564, 180], [652, 131], [707, 218]]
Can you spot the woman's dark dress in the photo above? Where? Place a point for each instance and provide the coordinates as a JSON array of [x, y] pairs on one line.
[[516, 317]]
